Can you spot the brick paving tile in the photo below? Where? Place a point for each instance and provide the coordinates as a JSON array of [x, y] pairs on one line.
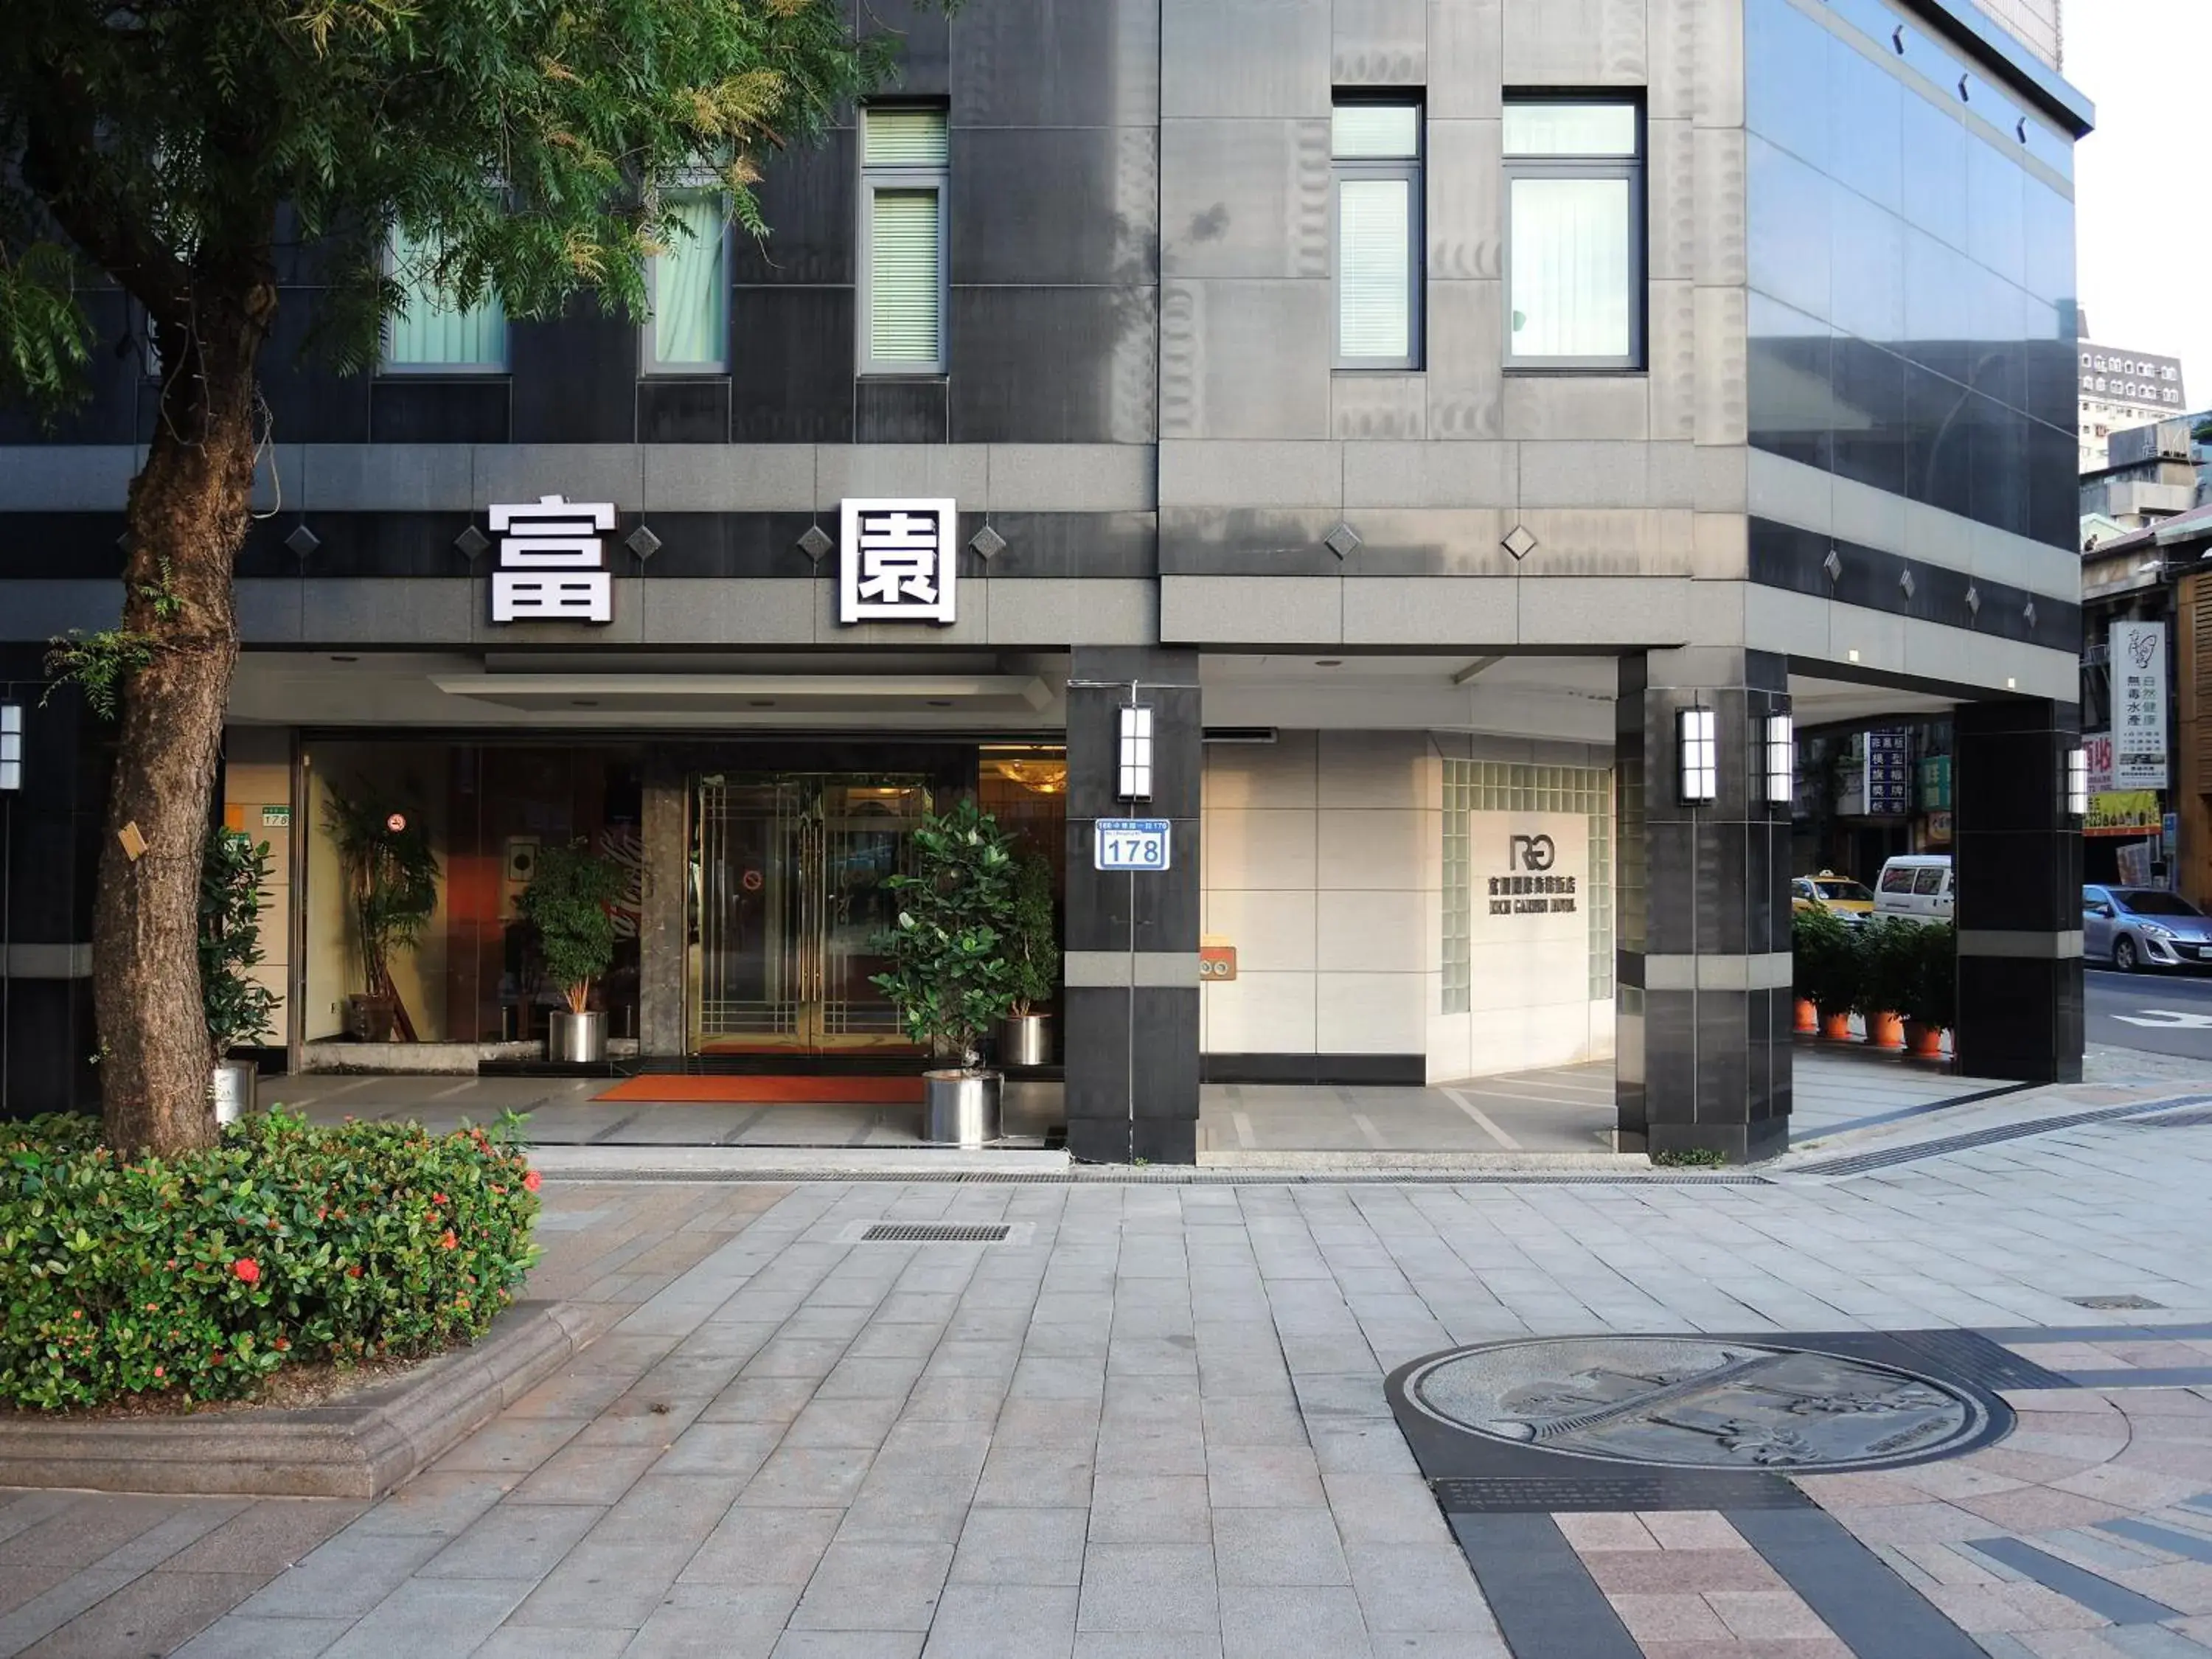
[[1681, 1618], [1670, 1572], [1588, 1531], [1693, 1529], [1766, 1615]]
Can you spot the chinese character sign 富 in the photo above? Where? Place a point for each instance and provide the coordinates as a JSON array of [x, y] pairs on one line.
[[552, 563]]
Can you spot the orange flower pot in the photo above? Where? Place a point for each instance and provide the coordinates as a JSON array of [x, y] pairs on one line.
[[1835, 1028], [1885, 1031], [1923, 1041], [1809, 1016]]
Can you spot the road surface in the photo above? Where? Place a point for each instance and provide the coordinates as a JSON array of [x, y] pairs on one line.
[[2165, 1013]]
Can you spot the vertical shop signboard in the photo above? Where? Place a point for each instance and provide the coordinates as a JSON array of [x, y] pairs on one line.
[[1888, 791], [2138, 665]]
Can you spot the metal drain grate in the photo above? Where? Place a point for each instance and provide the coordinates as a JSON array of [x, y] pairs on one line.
[[933, 1232], [2114, 1304]]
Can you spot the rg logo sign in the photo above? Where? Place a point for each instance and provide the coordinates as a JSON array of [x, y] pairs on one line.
[[1530, 853]]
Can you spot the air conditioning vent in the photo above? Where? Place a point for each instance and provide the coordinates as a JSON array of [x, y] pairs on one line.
[[1238, 734]]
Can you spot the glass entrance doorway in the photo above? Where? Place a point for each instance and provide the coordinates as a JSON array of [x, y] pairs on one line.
[[787, 875]]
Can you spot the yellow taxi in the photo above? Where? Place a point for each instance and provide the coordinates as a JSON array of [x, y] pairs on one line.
[[1839, 895]]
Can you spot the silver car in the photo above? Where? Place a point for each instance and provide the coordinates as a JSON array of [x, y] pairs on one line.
[[2145, 927]]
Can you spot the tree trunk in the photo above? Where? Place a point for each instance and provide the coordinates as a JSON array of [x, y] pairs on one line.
[[187, 517]]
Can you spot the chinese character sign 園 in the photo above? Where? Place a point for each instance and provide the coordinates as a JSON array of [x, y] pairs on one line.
[[552, 562], [896, 561]]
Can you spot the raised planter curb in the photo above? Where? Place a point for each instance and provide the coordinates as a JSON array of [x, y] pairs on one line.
[[360, 1448]]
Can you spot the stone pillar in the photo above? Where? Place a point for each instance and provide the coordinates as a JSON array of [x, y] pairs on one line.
[[661, 1020], [1703, 961], [1131, 1005], [2017, 856]]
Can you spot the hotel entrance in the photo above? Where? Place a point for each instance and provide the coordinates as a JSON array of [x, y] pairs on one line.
[[789, 886]]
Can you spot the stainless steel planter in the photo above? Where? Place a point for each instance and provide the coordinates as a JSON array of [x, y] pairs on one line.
[[960, 1109], [1025, 1040], [233, 1088], [576, 1039]]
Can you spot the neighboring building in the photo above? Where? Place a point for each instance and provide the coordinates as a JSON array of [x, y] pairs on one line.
[[1468, 430], [2151, 474], [2121, 389], [2147, 704], [2039, 24]]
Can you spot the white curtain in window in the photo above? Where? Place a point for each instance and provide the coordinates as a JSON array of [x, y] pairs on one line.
[[431, 330], [691, 287], [1374, 225], [1571, 268], [902, 276]]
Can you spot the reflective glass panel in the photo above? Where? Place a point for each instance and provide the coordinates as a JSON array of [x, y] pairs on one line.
[[1569, 130], [1571, 268], [1376, 131]]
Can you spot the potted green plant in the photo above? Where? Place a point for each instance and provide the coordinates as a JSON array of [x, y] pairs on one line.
[[1931, 1002], [1033, 949], [238, 1007], [951, 975], [1827, 968], [392, 887], [567, 902], [1888, 946]]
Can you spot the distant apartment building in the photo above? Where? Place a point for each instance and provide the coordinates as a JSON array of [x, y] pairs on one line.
[[2149, 474], [2124, 389]]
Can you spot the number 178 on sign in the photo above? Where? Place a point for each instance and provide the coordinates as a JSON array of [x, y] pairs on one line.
[[1131, 844]]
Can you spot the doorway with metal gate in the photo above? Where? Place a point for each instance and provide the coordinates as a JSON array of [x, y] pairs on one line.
[[789, 877]]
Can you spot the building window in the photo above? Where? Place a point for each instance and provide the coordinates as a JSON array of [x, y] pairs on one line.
[[1574, 258], [1376, 161], [902, 159], [432, 332], [688, 285]]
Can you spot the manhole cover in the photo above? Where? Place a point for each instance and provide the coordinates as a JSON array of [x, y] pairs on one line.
[[1689, 1402]]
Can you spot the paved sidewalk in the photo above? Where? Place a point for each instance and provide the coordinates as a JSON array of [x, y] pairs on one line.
[[1151, 1423]]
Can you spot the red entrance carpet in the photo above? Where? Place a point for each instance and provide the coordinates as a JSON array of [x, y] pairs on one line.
[[770, 1091]]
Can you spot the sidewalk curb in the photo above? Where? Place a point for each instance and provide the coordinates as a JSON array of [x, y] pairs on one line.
[[361, 1449]]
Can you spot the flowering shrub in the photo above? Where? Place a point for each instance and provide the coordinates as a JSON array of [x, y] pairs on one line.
[[288, 1240]]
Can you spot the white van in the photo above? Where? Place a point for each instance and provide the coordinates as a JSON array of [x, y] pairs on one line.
[[1916, 886]]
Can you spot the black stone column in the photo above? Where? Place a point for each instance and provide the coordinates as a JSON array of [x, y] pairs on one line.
[[1702, 978], [1131, 1004], [2016, 852], [51, 830]]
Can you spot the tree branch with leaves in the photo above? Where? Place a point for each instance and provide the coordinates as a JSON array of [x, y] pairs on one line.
[[528, 149]]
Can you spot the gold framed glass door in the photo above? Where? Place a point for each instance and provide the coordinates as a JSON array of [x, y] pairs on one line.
[[788, 877]]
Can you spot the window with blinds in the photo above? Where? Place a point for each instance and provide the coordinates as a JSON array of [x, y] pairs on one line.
[[1574, 234], [902, 161], [689, 332], [432, 332], [1376, 149]]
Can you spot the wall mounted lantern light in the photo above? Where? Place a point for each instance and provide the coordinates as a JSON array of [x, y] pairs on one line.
[[11, 747], [1778, 763], [1136, 770], [1697, 746], [2077, 783]]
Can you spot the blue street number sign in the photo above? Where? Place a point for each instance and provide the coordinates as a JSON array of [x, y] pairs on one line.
[[1131, 844]]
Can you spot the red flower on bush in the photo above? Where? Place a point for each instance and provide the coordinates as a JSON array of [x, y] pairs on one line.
[[353, 1272], [247, 1269], [449, 1241], [532, 1181]]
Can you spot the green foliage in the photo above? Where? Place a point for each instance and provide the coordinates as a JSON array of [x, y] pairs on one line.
[[568, 898], [97, 665], [950, 976], [1829, 965], [392, 881], [1888, 947], [528, 148], [239, 1008], [1033, 935], [203, 1273], [1690, 1157], [1932, 985]]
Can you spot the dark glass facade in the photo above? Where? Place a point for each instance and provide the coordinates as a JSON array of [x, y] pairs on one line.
[[1911, 312]]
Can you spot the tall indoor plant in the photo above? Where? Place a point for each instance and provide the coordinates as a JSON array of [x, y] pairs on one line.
[[950, 975], [239, 1008], [568, 901], [1033, 949], [1888, 946], [391, 886], [1931, 1001]]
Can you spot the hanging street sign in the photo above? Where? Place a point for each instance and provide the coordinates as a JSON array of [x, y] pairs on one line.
[[1132, 844]]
